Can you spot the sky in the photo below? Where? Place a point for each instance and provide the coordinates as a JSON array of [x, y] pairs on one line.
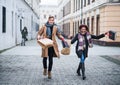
[[48, 2]]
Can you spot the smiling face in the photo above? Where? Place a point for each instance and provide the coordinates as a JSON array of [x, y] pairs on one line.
[[83, 30], [51, 20]]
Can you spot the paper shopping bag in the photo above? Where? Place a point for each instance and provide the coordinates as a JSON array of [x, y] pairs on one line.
[[45, 43], [66, 47], [65, 51], [112, 35]]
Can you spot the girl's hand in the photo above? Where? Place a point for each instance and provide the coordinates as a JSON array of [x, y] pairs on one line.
[[63, 39], [107, 33], [39, 37]]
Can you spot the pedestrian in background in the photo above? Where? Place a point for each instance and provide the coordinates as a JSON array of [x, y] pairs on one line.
[[84, 40], [24, 33], [50, 30]]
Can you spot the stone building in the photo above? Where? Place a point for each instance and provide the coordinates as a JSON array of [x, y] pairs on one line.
[[46, 11], [14, 15], [99, 15]]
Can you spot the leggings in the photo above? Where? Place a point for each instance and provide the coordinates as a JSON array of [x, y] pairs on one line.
[[50, 56]]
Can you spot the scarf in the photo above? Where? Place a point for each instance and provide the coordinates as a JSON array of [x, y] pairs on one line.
[[82, 43], [48, 30]]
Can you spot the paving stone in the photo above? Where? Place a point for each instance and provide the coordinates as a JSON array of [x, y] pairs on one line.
[[26, 69]]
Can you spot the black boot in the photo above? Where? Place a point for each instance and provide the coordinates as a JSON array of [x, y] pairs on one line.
[[78, 70], [83, 71]]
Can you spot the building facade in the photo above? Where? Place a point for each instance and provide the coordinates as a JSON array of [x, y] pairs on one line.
[[14, 16], [46, 11], [99, 15]]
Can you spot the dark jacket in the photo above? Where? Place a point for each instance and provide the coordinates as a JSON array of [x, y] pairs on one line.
[[24, 33], [85, 51]]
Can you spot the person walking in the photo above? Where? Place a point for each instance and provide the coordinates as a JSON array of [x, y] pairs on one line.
[[24, 33], [50, 30], [84, 40]]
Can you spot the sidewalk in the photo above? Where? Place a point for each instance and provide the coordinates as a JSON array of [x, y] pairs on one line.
[[23, 66]]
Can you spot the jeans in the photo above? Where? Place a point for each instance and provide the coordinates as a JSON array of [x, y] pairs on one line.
[[82, 59]]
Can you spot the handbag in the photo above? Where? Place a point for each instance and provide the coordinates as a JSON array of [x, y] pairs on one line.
[[65, 51], [112, 35], [66, 48]]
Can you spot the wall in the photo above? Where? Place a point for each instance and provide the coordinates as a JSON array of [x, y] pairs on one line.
[[16, 10]]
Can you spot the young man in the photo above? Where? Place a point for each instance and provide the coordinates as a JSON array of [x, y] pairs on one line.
[[49, 30]]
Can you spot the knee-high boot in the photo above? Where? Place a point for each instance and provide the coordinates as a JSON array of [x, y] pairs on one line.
[[83, 71], [78, 70]]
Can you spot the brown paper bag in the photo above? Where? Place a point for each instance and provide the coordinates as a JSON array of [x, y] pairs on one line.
[[65, 51], [45, 43]]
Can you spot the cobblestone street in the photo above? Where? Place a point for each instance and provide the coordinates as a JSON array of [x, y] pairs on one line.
[[23, 66], [86, 23]]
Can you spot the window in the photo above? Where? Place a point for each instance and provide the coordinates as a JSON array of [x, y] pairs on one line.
[[84, 21], [78, 4], [78, 24], [98, 25], [81, 3], [12, 23], [88, 2], [80, 21], [55, 16], [76, 27], [74, 6], [63, 11], [66, 29], [66, 9], [44, 16], [88, 22], [20, 24], [3, 19], [73, 29], [84, 3], [93, 0], [92, 25]]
